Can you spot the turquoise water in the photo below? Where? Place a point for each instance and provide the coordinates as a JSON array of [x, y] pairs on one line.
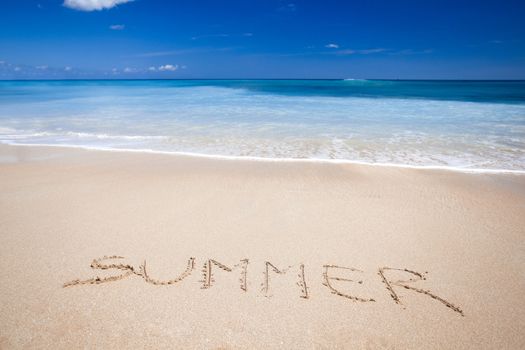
[[459, 124]]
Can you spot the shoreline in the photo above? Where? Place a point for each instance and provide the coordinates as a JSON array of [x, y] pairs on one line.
[[276, 160]]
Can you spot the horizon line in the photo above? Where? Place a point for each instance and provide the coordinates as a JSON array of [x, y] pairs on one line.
[[233, 79]]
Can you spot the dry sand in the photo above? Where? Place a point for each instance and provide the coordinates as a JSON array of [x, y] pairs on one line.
[[61, 208]]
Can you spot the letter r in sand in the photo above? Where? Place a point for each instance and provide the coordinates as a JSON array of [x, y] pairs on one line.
[[418, 277]]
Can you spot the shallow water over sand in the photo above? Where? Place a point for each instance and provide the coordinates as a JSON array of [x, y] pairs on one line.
[[472, 125]]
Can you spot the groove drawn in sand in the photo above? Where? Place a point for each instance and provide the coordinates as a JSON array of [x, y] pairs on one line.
[[266, 281], [97, 265], [327, 278], [401, 283], [302, 282], [186, 273], [207, 273], [207, 281]]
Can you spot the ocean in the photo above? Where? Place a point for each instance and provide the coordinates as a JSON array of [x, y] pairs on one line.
[[464, 125]]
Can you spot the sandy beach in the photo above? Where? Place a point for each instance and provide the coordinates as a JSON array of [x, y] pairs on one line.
[[132, 250]]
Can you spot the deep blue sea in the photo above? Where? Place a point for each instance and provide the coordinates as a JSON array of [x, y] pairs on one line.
[[456, 124]]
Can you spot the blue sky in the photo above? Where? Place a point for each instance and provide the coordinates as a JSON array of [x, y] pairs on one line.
[[262, 39]]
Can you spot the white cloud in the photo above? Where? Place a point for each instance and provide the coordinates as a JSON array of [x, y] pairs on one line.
[[117, 27], [41, 67], [345, 52], [114, 71], [287, 8], [222, 35], [369, 51], [68, 69], [247, 34], [183, 52], [168, 67], [332, 46], [2, 62], [152, 69], [129, 70], [359, 52], [411, 52], [93, 5], [18, 69]]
